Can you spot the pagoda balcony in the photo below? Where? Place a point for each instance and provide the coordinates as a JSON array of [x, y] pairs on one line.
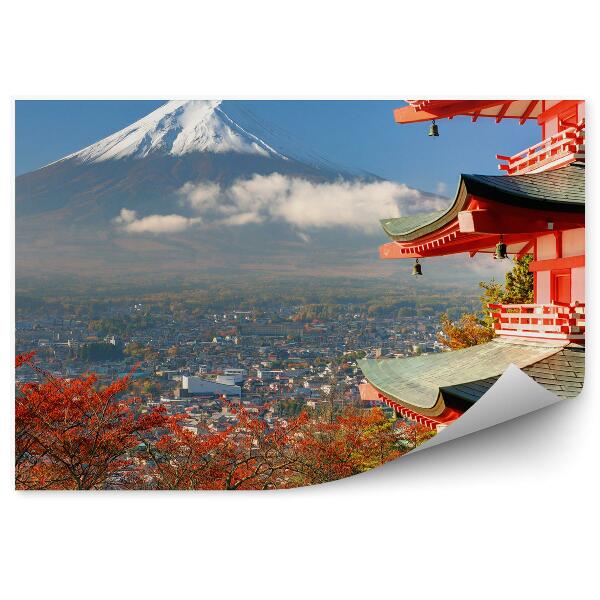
[[555, 151], [549, 321]]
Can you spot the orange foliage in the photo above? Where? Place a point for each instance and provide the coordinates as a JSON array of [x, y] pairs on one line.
[[468, 331], [292, 453], [70, 435], [352, 443]]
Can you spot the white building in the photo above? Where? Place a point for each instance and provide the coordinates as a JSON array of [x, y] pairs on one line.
[[238, 374], [197, 386]]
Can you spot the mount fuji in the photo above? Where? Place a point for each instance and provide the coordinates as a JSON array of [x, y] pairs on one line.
[[204, 188], [176, 129]]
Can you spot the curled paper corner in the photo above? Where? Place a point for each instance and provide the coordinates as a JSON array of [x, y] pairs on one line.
[[513, 395]]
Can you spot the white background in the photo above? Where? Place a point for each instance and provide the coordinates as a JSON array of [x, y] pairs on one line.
[[507, 513]]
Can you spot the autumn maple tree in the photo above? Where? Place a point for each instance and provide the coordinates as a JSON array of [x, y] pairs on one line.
[[412, 435], [247, 455], [297, 452], [469, 330], [71, 434], [352, 443]]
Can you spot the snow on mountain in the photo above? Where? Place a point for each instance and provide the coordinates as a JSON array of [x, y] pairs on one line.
[[203, 186], [143, 166], [178, 127]]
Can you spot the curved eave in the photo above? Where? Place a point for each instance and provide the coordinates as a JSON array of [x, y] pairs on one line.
[[400, 230], [561, 190], [457, 243]]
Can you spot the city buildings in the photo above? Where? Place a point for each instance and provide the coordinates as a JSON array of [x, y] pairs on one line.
[[186, 362]]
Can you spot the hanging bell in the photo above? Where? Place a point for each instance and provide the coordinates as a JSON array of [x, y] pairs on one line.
[[417, 268], [500, 250], [433, 129]]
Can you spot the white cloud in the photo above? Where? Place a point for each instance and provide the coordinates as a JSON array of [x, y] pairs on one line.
[[303, 204], [201, 196], [126, 216], [128, 222], [441, 187], [484, 265]]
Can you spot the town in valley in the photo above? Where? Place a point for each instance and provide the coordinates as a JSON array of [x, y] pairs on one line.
[[276, 360]]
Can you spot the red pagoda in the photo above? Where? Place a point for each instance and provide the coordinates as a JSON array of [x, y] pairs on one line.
[[536, 207]]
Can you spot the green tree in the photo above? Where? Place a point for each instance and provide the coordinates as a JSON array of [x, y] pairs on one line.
[[518, 288], [472, 329]]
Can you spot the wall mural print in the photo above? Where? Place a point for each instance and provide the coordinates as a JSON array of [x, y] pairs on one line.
[[273, 294]]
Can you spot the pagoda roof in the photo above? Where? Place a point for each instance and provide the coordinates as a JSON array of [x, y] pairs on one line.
[[425, 110], [421, 383], [557, 190], [522, 110], [562, 373]]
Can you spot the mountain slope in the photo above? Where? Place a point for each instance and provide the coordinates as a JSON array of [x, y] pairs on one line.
[[202, 186], [146, 162]]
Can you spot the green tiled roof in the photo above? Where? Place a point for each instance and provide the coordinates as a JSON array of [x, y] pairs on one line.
[[416, 381], [562, 373], [404, 225], [466, 394], [561, 189]]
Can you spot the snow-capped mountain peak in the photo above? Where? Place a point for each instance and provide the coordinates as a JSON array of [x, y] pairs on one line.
[[178, 127]]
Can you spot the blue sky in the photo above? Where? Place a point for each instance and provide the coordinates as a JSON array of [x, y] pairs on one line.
[[351, 133]]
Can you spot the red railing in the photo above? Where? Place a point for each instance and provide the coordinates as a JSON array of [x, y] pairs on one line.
[[554, 321], [557, 150]]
